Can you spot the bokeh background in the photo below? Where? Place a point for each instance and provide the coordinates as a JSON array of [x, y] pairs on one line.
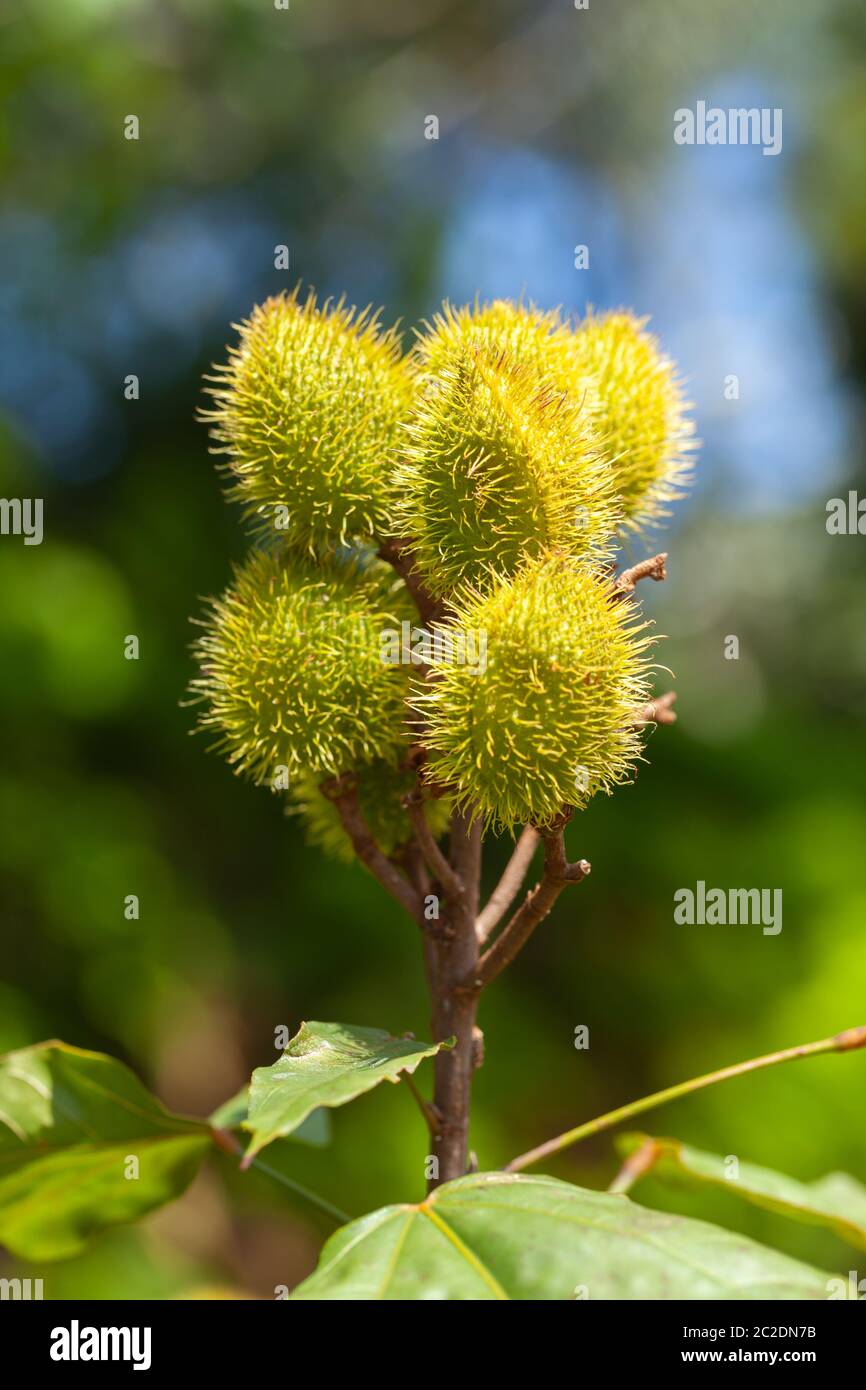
[[305, 127]]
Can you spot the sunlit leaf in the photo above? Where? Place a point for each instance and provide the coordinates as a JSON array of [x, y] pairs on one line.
[[509, 1236], [325, 1064]]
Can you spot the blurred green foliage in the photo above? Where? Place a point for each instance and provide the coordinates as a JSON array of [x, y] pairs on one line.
[[305, 127]]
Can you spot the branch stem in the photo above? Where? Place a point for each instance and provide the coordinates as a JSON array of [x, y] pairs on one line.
[[395, 553], [848, 1041], [455, 1008], [637, 1165], [343, 792], [442, 871], [427, 1110], [225, 1140], [654, 568], [558, 874], [509, 885]]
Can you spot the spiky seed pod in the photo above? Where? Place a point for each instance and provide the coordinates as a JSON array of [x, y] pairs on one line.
[[522, 333], [292, 674], [497, 467], [380, 787], [306, 409], [548, 719], [643, 419]]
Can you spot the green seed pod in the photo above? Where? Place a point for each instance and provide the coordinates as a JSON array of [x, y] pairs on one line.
[[532, 337], [292, 674], [642, 412], [498, 466], [380, 787], [307, 410], [547, 720]]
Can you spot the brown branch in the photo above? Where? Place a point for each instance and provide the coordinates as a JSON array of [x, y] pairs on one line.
[[558, 874], [417, 761], [438, 865], [410, 858], [653, 568], [395, 553], [508, 886], [454, 1008], [658, 711], [466, 856], [343, 792]]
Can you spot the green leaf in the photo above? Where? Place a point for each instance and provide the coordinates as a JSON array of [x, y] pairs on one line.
[[325, 1064], [509, 1236], [314, 1130], [836, 1201], [70, 1121]]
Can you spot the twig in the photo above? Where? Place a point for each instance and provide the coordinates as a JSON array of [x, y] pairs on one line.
[[658, 711], [431, 1116], [636, 1165], [438, 865], [508, 886], [225, 1140], [848, 1041], [558, 874], [343, 792], [411, 859], [653, 568]]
